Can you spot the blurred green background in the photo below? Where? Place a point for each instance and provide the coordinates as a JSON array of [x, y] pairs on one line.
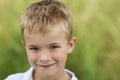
[[96, 25]]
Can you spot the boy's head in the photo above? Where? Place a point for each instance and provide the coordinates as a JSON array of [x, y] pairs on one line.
[[47, 35], [42, 16]]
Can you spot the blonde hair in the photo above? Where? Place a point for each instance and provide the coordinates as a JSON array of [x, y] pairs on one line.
[[42, 15]]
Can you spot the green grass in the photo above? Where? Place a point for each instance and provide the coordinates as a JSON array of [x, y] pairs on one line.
[[96, 25]]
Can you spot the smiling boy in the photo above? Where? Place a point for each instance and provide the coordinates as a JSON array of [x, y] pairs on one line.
[[47, 37]]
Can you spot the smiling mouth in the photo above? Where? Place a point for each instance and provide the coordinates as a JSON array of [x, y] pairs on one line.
[[46, 65]]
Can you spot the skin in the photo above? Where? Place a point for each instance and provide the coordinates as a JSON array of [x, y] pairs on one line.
[[48, 54]]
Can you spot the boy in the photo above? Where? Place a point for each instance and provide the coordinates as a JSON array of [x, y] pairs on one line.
[[47, 37]]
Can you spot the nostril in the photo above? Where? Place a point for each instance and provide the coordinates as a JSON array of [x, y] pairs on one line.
[[44, 55], [44, 58]]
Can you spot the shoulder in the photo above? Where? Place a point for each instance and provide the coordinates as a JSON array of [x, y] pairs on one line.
[[17, 76], [21, 76], [73, 77]]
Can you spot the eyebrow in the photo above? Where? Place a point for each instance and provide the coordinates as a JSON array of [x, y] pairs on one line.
[[31, 45], [53, 44]]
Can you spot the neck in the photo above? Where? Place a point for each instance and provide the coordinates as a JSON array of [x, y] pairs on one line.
[[62, 75]]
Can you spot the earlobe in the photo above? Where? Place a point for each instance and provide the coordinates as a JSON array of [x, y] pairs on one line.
[[71, 44]]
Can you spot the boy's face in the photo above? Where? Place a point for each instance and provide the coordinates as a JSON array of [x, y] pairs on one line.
[[47, 54]]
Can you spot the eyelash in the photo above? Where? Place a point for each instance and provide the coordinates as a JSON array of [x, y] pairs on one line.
[[34, 48], [54, 47], [51, 47]]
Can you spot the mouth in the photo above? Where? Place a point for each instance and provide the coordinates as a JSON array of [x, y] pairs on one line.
[[46, 65]]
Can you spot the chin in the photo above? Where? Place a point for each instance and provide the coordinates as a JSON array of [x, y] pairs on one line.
[[46, 73]]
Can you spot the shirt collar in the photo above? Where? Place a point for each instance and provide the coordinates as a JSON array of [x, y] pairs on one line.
[[73, 77], [28, 75]]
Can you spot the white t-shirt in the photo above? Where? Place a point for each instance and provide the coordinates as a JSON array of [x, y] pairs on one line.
[[28, 75]]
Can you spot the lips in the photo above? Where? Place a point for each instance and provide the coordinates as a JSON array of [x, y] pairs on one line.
[[46, 65]]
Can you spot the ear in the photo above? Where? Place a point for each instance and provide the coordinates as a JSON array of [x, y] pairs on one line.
[[23, 43], [71, 44]]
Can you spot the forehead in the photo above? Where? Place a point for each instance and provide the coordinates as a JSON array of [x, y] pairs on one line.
[[55, 34], [48, 28]]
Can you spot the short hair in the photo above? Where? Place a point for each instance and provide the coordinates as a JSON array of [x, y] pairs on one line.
[[42, 15]]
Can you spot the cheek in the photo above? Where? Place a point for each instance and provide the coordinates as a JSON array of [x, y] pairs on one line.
[[60, 56], [32, 58]]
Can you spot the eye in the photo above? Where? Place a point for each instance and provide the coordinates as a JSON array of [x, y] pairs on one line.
[[54, 47], [34, 48]]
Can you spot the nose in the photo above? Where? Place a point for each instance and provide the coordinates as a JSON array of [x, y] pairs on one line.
[[44, 56]]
